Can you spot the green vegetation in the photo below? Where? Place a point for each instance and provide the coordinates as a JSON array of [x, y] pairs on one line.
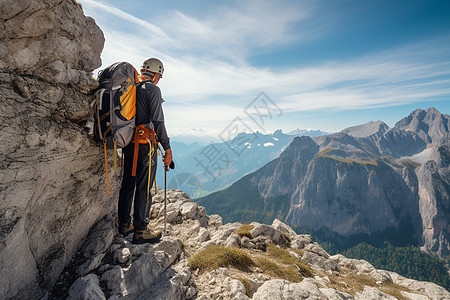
[[244, 230], [283, 256], [277, 270], [353, 283], [219, 256], [389, 249], [277, 263], [408, 261]]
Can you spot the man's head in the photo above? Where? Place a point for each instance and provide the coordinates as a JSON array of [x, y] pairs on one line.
[[153, 69]]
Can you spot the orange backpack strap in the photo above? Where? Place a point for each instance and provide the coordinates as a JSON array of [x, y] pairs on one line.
[[142, 135]]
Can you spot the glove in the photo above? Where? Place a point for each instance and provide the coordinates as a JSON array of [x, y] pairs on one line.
[[167, 157]]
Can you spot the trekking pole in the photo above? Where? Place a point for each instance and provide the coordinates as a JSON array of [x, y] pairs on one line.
[[166, 169], [165, 198]]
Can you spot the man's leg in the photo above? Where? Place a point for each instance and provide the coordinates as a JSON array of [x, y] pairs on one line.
[[141, 204], [128, 186]]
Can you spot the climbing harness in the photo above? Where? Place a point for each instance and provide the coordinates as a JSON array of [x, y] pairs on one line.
[[144, 135]]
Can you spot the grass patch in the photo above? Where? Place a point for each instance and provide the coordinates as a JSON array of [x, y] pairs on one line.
[[351, 283], [244, 230], [277, 270], [280, 263], [215, 257], [283, 256], [394, 289]]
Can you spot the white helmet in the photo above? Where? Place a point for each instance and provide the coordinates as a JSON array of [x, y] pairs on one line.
[[153, 65]]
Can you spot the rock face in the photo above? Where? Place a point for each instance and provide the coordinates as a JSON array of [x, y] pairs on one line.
[[52, 178], [163, 271], [365, 179]]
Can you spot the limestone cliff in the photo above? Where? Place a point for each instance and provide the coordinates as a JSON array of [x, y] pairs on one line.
[[52, 178]]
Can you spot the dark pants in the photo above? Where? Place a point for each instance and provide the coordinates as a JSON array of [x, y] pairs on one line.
[[136, 186]]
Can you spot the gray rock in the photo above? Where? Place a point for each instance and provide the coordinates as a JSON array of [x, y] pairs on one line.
[[284, 228], [261, 242], [277, 289], [413, 296], [170, 285], [86, 288], [90, 264], [233, 286], [203, 235], [275, 235], [240, 296], [169, 245], [189, 210], [233, 240], [131, 282], [316, 248], [332, 294], [361, 267], [432, 290], [99, 239], [122, 255], [246, 243], [190, 293], [300, 241], [215, 221], [373, 293], [319, 262], [53, 183], [223, 232]]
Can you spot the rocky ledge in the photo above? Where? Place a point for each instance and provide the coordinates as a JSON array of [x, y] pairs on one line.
[[201, 258]]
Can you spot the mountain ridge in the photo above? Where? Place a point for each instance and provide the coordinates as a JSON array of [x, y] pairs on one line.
[[363, 183]]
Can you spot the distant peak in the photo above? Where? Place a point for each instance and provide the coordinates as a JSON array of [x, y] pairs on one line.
[[367, 129], [432, 110], [278, 131]]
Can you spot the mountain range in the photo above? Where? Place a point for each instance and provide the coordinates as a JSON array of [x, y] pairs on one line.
[[202, 169], [365, 179]]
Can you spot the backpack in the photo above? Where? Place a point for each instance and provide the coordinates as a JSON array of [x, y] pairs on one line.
[[114, 108], [114, 105]]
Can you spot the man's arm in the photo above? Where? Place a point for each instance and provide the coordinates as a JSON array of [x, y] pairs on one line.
[[157, 117]]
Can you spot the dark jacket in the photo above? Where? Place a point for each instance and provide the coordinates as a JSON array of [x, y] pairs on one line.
[[149, 109]]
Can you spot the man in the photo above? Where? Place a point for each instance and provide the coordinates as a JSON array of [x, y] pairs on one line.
[[148, 111]]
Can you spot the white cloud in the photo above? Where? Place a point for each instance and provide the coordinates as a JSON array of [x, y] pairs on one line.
[[233, 31], [208, 80]]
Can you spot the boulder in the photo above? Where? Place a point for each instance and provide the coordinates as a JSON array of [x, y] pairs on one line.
[[373, 293], [86, 288], [284, 228], [129, 283], [277, 289]]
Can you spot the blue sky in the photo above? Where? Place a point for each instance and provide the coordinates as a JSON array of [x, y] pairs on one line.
[[325, 64]]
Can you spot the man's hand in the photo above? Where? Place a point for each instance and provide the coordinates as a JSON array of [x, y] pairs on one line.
[[167, 157]]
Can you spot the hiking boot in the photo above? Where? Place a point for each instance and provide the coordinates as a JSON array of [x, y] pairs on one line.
[[146, 236], [125, 229]]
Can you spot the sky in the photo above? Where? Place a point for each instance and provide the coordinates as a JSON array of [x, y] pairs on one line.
[[267, 65]]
